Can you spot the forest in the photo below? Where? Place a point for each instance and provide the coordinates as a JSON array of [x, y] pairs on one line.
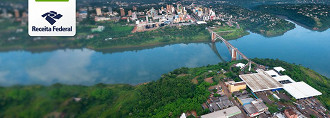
[[258, 22], [313, 16]]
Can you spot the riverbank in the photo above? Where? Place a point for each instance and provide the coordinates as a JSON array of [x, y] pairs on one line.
[[174, 93], [159, 37]]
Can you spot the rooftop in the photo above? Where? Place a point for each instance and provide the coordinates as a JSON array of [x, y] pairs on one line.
[[260, 106], [301, 90], [250, 109], [239, 83], [283, 78], [260, 82], [279, 69], [272, 73], [225, 113], [241, 65], [245, 101]]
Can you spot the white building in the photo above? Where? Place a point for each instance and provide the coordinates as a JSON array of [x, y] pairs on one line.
[[301, 90]]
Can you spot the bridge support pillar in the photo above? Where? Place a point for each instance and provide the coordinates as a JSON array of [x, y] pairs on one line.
[[249, 65], [214, 37], [233, 54]]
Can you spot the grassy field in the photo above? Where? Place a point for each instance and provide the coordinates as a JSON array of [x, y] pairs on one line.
[[229, 33]]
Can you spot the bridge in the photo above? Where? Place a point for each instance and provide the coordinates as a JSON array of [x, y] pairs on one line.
[[234, 52], [214, 49]]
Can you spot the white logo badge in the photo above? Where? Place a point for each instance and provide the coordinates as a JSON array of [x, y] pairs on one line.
[[52, 17]]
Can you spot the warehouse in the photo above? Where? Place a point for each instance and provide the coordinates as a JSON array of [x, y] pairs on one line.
[[284, 79], [301, 90], [260, 81]]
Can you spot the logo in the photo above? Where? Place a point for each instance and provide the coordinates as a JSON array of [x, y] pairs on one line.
[[51, 16]]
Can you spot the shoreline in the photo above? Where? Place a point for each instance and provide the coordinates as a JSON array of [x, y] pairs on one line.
[[111, 49]]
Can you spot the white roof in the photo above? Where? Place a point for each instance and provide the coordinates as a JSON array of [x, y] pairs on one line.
[[279, 69], [301, 90], [260, 81], [225, 113], [183, 115], [241, 65], [201, 22], [272, 73], [283, 77]]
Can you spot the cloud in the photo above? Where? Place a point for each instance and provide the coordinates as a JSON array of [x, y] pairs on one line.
[[3, 77], [65, 66]]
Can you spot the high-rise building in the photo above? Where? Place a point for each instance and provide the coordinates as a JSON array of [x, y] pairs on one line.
[[98, 11], [134, 16], [134, 8], [110, 9], [24, 15], [16, 12], [168, 8], [4, 12], [129, 13], [122, 12]]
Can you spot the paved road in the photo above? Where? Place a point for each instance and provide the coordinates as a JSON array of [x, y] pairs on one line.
[[226, 91]]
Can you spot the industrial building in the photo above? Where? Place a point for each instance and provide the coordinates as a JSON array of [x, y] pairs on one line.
[[260, 81], [279, 69], [225, 113], [284, 79], [301, 90], [272, 80], [235, 86], [272, 73]]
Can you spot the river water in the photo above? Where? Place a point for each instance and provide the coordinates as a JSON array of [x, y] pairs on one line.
[[87, 67]]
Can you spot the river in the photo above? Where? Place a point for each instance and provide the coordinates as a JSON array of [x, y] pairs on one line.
[[88, 67]]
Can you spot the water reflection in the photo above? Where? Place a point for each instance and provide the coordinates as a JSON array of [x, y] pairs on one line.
[[64, 67], [87, 67], [213, 46]]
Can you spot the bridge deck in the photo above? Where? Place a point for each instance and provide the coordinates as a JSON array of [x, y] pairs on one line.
[[228, 44]]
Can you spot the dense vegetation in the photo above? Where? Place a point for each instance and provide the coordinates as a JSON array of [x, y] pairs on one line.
[[170, 96], [164, 35], [255, 21], [182, 90], [313, 16], [119, 36]]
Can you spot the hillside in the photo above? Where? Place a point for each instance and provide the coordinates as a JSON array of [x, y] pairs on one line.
[[181, 90]]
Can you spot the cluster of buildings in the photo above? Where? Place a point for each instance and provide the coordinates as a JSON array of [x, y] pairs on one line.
[[144, 19], [253, 107], [155, 18], [248, 104], [16, 15], [204, 13], [273, 80]]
